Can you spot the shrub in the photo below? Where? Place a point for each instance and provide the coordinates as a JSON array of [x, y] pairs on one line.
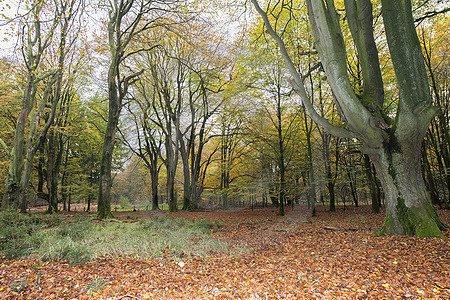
[[124, 202]]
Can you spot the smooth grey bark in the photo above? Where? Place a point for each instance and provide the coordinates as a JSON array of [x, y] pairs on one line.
[[392, 145]]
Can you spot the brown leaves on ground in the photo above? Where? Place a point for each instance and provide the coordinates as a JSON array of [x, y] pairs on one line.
[[291, 257]]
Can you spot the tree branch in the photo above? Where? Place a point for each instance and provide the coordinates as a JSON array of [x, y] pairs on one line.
[[7, 150], [297, 82]]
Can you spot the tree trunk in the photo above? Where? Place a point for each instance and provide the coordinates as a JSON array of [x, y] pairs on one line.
[[311, 179], [327, 164], [188, 201], [69, 200], [154, 178], [372, 185], [13, 188], [349, 170], [408, 205], [105, 176], [52, 179], [88, 203], [171, 196]]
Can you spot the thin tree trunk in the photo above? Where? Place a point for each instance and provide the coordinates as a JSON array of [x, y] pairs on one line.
[[311, 178], [429, 177], [349, 169], [105, 176], [154, 178], [372, 185], [52, 183]]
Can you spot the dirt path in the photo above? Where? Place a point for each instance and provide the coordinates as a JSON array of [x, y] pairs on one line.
[[300, 213]]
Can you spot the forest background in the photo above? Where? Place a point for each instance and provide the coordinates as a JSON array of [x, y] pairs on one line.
[[186, 105], [202, 112]]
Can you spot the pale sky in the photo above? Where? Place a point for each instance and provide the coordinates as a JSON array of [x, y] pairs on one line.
[[8, 8]]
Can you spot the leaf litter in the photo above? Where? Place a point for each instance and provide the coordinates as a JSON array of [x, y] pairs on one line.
[[290, 257]]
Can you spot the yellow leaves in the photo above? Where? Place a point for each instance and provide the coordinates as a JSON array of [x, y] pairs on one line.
[[420, 292]]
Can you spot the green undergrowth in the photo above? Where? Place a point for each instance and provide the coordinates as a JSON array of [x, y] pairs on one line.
[[81, 239]]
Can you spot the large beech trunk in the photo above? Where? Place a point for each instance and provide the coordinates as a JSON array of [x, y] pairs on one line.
[[408, 203]]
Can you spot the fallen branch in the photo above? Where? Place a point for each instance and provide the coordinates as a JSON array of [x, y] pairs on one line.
[[349, 229], [108, 220], [128, 296]]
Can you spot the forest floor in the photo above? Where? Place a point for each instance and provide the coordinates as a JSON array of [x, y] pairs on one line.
[[333, 255]]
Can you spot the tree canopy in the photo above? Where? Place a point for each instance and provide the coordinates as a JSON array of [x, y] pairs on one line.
[[171, 105]]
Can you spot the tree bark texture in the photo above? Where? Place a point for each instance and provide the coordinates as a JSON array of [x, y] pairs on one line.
[[105, 177]]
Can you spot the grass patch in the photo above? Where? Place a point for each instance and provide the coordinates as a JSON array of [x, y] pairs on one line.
[[19, 232], [81, 240], [158, 236]]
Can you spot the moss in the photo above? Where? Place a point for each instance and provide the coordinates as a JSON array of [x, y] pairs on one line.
[[404, 217], [432, 212], [418, 221], [415, 221], [425, 226], [388, 223], [391, 169]]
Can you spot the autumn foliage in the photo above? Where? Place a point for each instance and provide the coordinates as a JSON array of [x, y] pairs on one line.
[[333, 255]]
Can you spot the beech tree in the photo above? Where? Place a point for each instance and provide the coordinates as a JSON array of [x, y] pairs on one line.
[[393, 144], [42, 91], [127, 19]]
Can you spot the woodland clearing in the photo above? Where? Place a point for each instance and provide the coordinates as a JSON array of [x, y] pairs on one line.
[[332, 255]]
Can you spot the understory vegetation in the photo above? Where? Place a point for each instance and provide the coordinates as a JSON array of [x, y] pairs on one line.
[[185, 255], [80, 239]]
